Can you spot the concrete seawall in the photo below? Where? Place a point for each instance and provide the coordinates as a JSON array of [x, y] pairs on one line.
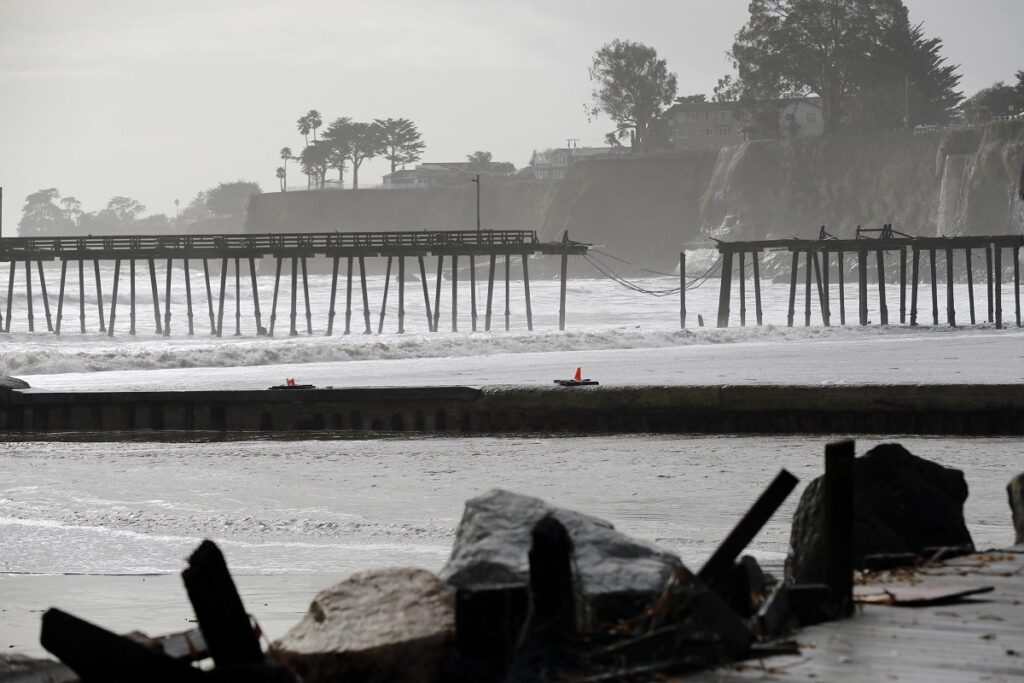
[[860, 409]]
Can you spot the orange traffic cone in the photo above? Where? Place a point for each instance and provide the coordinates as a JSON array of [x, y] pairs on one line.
[[579, 374], [577, 380]]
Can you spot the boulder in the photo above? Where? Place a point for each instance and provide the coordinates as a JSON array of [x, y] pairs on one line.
[[902, 503], [1015, 491], [615, 574], [378, 625], [8, 382]]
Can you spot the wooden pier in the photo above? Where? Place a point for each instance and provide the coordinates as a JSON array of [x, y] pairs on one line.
[[880, 249], [235, 252]]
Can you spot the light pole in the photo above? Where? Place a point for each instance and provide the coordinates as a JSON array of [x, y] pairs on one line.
[[477, 181]]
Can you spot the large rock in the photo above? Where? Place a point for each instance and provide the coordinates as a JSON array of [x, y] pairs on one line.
[[8, 382], [902, 503], [1015, 491], [378, 625], [617, 575]]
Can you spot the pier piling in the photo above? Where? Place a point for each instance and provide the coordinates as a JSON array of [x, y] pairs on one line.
[[935, 287], [950, 306]]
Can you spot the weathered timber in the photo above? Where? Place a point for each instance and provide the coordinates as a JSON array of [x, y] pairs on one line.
[[682, 290], [384, 300], [792, 288], [969, 267], [401, 295], [490, 292], [153, 288], [529, 304], [455, 293], [998, 284], [724, 290], [935, 287], [43, 294], [113, 298], [743, 288], [293, 331], [209, 296], [950, 306], [305, 297], [426, 293], [913, 286], [277, 289], [188, 297], [883, 306], [757, 287], [508, 312], [862, 285], [839, 522], [99, 294]]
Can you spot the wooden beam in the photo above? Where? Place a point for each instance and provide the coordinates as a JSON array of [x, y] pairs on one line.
[[131, 296], [384, 301], [792, 289], [99, 294], [808, 257], [238, 299], [113, 298], [209, 298], [305, 296], [969, 265], [366, 296], [167, 301], [526, 292], [472, 290], [60, 296], [561, 282], [950, 306], [935, 287], [682, 290], [862, 285], [257, 314], [883, 306], [156, 295], [997, 253], [756, 260], [348, 295], [725, 285], [916, 257], [401, 295], [988, 278], [903, 285], [508, 311], [426, 293], [277, 288], [294, 330], [28, 296], [455, 292], [81, 296], [841, 268], [437, 292], [46, 298], [188, 298], [743, 288], [334, 293], [839, 522], [223, 292], [1016, 284]]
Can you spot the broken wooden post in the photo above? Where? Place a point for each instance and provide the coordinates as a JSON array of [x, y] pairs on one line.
[[167, 301], [508, 313], [490, 292], [1016, 284], [719, 566], [426, 293], [131, 295], [561, 282], [969, 265], [384, 301], [839, 522], [437, 293], [81, 296], [455, 292], [862, 285], [723, 292], [28, 296], [526, 293], [334, 293], [792, 288], [682, 290], [950, 306], [155, 291], [841, 272], [348, 296], [756, 259], [222, 619], [998, 274], [255, 296], [401, 295], [294, 330], [883, 307], [60, 298], [366, 296], [273, 303], [916, 258], [935, 288], [472, 291], [305, 297], [99, 294], [46, 298], [826, 303], [808, 257], [188, 297], [209, 296], [988, 278], [113, 298], [903, 285], [552, 587], [743, 289]]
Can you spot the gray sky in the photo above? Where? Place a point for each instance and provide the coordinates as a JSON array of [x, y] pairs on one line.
[[157, 100]]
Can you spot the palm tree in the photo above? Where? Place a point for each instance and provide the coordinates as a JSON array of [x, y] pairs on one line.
[[313, 116], [286, 156], [304, 127], [281, 177]]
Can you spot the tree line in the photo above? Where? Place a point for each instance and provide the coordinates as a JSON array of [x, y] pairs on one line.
[[346, 144], [872, 68]]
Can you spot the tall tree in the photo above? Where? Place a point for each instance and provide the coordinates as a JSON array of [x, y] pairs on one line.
[[125, 209], [632, 87], [40, 215], [998, 99], [314, 163], [286, 156], [231, 199], [364, 143], [282, 178], [313, 116], [304, 127], [400, 140], [72, 209], [338, 139]]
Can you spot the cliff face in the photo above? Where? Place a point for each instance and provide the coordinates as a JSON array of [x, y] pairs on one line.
[[960, 183], [642, 210], [503, 206]]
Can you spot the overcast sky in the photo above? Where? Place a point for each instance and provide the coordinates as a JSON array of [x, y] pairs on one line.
[[158, 100]]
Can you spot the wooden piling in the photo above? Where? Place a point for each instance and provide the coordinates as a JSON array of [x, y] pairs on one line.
[[348, 295], [131, 295], [257, 314], [223, 291], [743, 289], [724, 293], [988, 279], [293, 330], [792, 288], [401, 295], [490, 292], [883, 306], [334, 292], [156, 295], [903, 285], [526, 292], [238, 299], [305, 295], [839, 522], [756, 260], [808, 257], [273, 304], [826, 304], [950, 306], [862, 285], [28, 296], [60, 296], [682, 290], [188, 298], [455, 292], [935, 288], [841, 268], [561, 283], [820, 284], [1016, 284], [384, 300], [508, 312], [426, 293], [43, 294], [997, 253], [209, 294], [113, 298], [472, 290], [99, 294], [437, 292], [167, 301], [81, 296], [916, 258], [366, 296], [969, 264]]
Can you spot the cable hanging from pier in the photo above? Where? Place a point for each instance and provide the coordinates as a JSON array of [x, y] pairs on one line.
[[609, 273]]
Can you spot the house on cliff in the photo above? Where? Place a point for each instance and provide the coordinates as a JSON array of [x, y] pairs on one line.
[[553, 164], [434, 174], [694, 126]]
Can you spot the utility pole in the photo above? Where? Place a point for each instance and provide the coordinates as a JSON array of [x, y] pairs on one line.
[[477, 181]]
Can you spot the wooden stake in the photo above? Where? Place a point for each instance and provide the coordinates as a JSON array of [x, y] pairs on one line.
[[156, 295], [561, 282], [743, 289], [188, 297], [60, 296], [682, 290], [131, 295], [841, 268], [455, 292], [950, 307], [472, 289], [970, 280], [913, 286], [807, 286], [756, 260], [305, 294], [366, 295], [238, 299], [209, 296], [883, 307], [792, 289], [384, 302], [490, 293], [294, 331], [839, 521], [348, 296], [223, 291], [725, 285], [167, 301], [526, 290], [997, 252], [826, 304], [113, 298], [988, 279], [255, 294], [508, 312], [935, 288], [46, 298], [99, 294], [819, 283], [81, 296], [334, 292], [277, 288], [862, 285], [426, 293], [903, 285], [28, 296], [401, 295]]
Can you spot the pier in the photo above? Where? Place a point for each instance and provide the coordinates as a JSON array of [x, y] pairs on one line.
[[877, 250], [236, 253]]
